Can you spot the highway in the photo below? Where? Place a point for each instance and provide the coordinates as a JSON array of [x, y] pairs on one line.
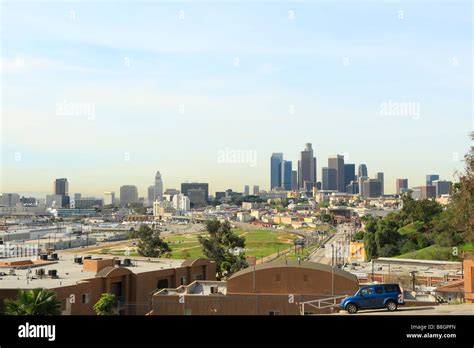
[[340, 240]]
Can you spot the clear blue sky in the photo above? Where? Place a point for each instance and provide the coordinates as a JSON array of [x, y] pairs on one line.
[[173, 84]]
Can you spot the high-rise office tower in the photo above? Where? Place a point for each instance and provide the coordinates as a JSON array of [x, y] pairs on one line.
[[361, 180], [294, 180], [362, 170], [430, 178], [352, 188], [158, 187], [349, 173], [329, 179], [151, 195], [276, 163], [256, 190], [286, 175], [128, 194], [77, 196], [401, 186], [307, 168], [197, 197], [380, 178], [185, 187], [427, 191], [442, 187], [246, 190], [337, 163], [61, 188], [372, 188]]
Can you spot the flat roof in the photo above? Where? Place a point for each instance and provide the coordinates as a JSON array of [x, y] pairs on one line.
[[69, 272]]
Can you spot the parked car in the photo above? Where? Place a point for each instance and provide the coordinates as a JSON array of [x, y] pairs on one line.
[[388, 296]]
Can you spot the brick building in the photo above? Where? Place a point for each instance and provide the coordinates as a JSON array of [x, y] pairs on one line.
[[79, 282], [271, 288]]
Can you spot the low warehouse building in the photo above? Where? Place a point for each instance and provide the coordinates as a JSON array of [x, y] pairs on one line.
[[266, 289]]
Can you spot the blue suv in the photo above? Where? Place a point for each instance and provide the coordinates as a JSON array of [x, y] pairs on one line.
[[374, 296]]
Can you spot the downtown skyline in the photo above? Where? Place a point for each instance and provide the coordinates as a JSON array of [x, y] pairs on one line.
[[142, 101]]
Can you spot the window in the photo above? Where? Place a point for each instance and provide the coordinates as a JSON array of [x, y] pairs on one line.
[[378, 290], [198, 277], [86, 298], [305, 278], [162, 283], [277, 277], [274, 313], [391, 288], [366, 291], [183, 280]]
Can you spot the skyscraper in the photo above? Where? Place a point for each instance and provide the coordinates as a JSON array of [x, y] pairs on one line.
[[349, 173], [128, 194], [307, 169], [442, 187], [61, 188], [286, 175], [158, 187], [256, 190], [362, 170], [361, 180], [185, 187], [294, 180], [337, 163], [401, 185], [246, 190], [329, 179], [430, 178], [380, 178], [276, 163], [151, 195], [372, 188]]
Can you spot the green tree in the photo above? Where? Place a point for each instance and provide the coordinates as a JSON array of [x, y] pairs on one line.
[[150, 243], [460, 211], [219, 247], [369, 237], [33, 302], [105, 305]]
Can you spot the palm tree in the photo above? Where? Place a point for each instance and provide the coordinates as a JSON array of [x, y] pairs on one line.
[[33, 302]]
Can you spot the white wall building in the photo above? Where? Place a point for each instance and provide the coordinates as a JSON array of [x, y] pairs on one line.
[[109, 198], [181, 202]]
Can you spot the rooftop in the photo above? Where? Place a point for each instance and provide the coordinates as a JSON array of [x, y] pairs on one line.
[[21, 272]]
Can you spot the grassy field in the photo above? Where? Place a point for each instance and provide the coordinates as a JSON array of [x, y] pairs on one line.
[[436, 252], [259, 243]]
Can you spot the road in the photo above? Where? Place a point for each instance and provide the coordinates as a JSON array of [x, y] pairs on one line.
[[339, 240], [460, 309]]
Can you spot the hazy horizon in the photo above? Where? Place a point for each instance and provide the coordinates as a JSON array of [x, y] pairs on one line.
[[107, 93]]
